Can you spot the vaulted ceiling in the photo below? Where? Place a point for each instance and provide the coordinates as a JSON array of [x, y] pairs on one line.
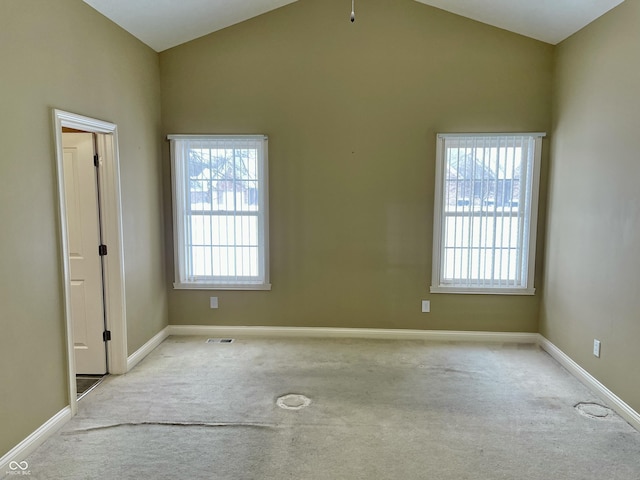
[[163, 24]]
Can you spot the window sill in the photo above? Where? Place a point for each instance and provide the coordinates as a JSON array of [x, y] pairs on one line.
[[483, 291], [215, 286]]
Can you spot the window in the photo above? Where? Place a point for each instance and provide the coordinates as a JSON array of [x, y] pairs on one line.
[[220, 211], [486, 213]]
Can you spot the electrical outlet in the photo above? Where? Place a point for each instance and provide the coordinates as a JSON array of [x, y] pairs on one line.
[[596, 347], [426, 306], [213, 302]]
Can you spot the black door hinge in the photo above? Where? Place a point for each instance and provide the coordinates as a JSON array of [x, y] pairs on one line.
[[102, 250], [106, 336], [96, 160]]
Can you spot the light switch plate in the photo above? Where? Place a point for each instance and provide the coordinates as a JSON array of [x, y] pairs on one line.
[[213, 302]]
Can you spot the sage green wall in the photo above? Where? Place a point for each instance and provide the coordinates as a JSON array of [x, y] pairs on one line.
[[592, 265], [351, 111], [63, 54]]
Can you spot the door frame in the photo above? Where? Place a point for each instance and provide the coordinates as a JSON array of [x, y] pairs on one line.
[[111, 213]]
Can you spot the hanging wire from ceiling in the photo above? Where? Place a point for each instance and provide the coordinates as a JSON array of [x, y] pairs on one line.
[[353, 11]]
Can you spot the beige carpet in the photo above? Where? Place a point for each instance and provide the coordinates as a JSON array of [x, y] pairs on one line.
[[379, 410]]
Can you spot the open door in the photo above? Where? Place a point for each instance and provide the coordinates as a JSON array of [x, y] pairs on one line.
[[85, 261]]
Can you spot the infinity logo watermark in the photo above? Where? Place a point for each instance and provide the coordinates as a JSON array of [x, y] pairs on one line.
[[19, 468]]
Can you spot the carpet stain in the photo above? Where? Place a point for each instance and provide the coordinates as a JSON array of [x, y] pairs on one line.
[[293, 401], [593, 410]]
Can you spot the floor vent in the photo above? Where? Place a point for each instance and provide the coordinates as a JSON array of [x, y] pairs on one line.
[[86, 383], [219, 340]]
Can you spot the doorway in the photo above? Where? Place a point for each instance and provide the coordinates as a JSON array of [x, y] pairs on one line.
[[90, 225]]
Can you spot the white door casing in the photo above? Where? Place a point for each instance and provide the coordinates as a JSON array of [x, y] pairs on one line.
[[83, 233], [112, 236]]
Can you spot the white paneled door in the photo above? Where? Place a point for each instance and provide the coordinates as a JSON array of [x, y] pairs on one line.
[[85, 265]]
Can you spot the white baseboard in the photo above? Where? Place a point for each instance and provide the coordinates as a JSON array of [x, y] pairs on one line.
[[137, 356], [33, 441], [624, 410], [327, 332]]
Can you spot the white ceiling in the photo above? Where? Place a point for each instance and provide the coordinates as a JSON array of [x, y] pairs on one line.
[[163, 24], [548, 20]]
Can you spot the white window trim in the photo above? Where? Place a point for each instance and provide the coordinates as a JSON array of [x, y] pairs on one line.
[[178, 228], [438, 217]]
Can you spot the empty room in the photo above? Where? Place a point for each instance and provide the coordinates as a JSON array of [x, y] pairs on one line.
[[320, 239]]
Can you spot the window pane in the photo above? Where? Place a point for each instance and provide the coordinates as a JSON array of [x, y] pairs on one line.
[[224, 230], [247, 261], [246, 164], [226, 261], [200, 261]]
